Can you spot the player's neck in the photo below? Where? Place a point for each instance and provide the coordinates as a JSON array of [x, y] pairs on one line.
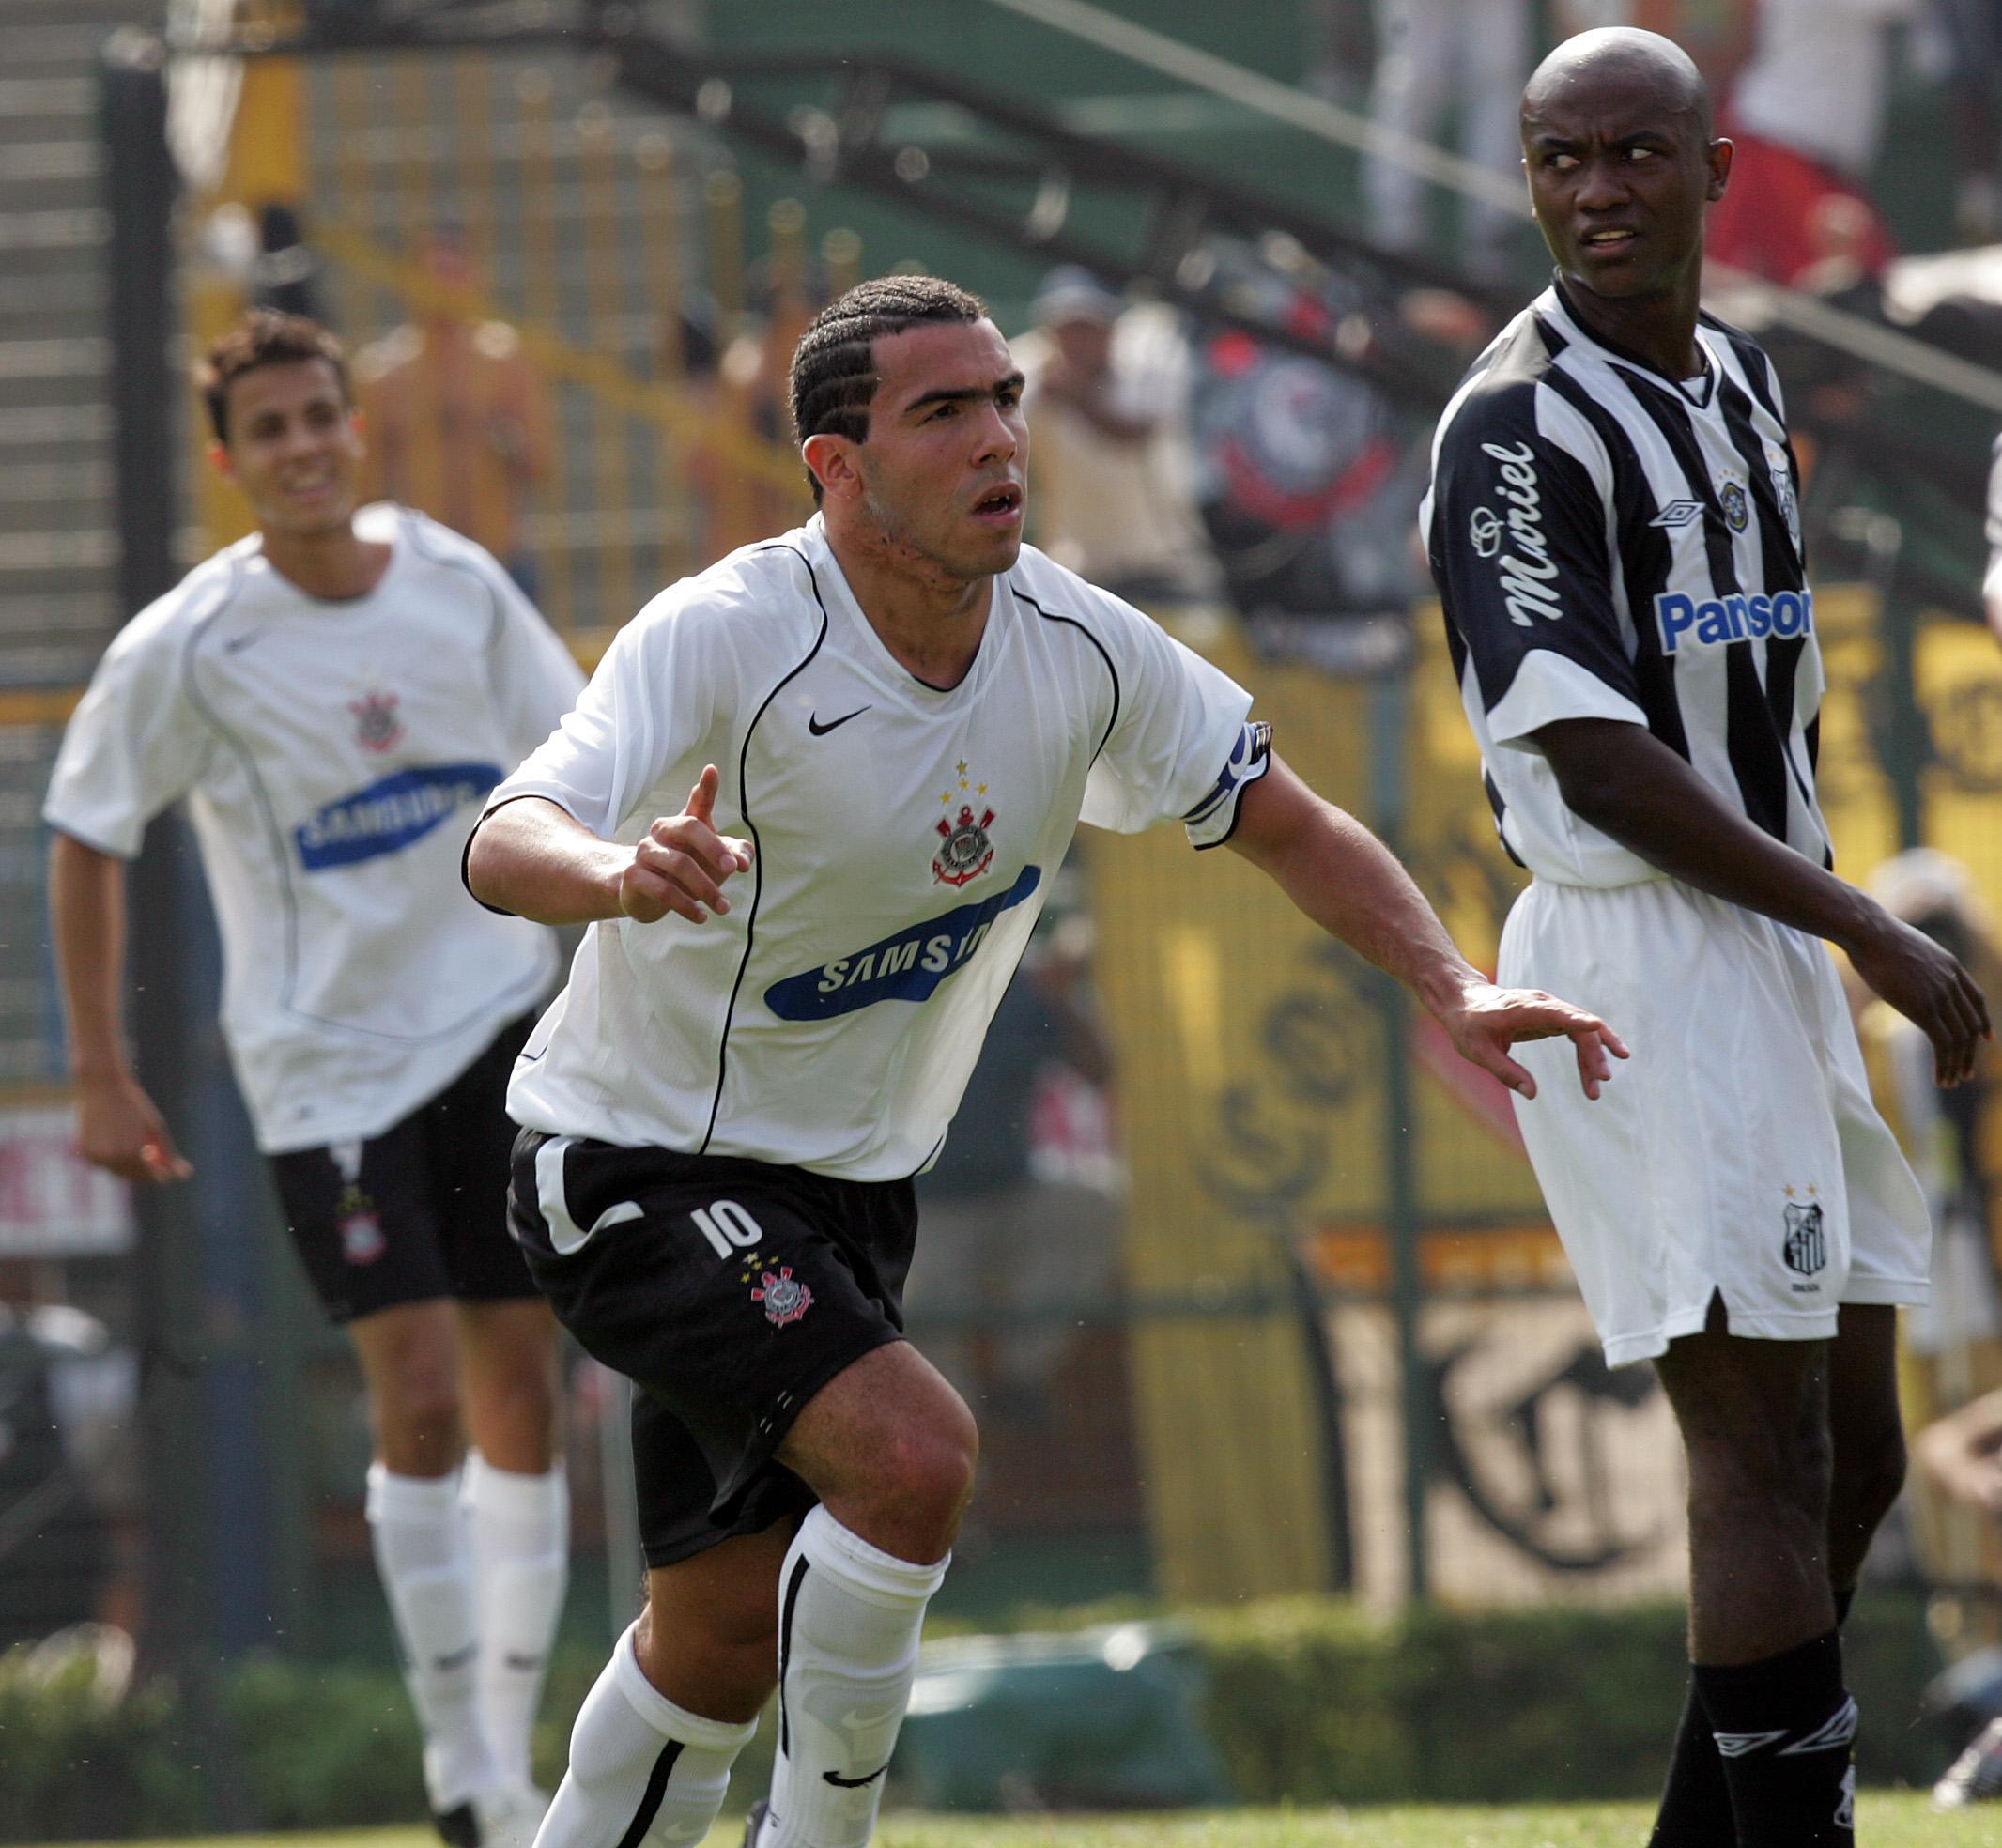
[[930, 622], [334, 566], [1659, 329]]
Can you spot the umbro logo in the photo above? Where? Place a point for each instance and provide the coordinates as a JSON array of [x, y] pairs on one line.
[[1678, 514], [820, 730]]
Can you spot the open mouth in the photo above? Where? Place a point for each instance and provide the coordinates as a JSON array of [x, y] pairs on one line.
[[1609, 239], [1000, 503]]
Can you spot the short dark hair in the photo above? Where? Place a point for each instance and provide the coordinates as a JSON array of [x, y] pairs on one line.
[[263, 338], [834, 369]]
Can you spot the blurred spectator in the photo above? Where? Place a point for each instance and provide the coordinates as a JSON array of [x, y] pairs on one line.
[[1022, 1208], [456, 416], [1441, 59], [1971, 31], [1106, 386], [1807, 114], [1305, 474], [1960, 1456]]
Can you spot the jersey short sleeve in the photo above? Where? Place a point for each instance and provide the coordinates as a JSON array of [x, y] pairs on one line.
[[1519, 549], [535, 678], [652, 697], [1180, 747], [136, 743]]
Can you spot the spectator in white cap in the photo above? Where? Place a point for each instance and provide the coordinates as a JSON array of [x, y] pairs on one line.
[[1105, 393]]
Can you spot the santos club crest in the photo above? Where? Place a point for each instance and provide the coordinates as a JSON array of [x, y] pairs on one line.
[[1805, 1249], [968, 849]]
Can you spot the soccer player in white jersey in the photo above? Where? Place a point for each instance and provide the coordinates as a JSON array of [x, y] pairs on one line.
[[891, 721], [1614, 527], [328, 695]]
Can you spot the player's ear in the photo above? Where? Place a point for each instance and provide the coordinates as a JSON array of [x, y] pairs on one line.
[[219, 459], [1718, 156], [832, 463]]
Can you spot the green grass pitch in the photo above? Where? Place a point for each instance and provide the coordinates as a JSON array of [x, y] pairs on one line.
[[1903, 1821]]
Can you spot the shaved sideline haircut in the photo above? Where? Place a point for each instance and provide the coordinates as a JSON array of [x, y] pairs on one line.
[[834, 366]]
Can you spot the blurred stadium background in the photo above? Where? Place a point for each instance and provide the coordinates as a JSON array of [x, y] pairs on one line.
[[1269, 1304]]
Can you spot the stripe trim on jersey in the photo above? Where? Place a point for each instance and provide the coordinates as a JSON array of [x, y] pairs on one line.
[[750, 923], [790, 1604], [1057, 616]]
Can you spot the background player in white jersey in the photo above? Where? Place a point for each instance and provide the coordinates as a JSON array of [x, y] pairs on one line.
[[327, 695], [1614, 527], [891, 721]]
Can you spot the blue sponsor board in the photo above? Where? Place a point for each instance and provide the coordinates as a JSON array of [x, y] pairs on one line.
[[387, 816], [908, 966], [1733, 618]]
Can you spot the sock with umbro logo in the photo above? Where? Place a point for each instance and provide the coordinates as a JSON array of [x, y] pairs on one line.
[[1785, 1728]]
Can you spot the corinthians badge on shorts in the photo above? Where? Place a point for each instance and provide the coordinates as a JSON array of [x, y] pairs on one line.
[[376, 726], [785, 1298], [968, 850], [361, 1240]]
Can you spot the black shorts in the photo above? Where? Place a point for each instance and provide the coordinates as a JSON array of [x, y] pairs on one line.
[[729, 1291], [420, 1211]]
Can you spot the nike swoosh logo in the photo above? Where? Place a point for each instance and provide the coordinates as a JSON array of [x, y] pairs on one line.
[[820, 730], [236, 644], [835, 1776]]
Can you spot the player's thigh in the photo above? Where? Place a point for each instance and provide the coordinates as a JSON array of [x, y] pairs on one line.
[[1753, 1412], [889, 1423], [360, 1215]]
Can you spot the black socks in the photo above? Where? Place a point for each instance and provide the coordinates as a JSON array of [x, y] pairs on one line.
[[1784, 1729]]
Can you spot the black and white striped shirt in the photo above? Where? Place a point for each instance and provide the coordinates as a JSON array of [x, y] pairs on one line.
[[1613, 543]]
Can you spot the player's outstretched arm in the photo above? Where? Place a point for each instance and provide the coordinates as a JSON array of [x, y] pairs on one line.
[[1349, 884], [1962, 1453], [117, 1127], [1629, 785], [536, 860]]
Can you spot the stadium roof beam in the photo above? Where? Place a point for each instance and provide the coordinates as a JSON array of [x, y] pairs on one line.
[[1022, 176]]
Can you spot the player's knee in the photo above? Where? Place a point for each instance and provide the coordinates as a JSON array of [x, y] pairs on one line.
[[417, 1424], [927, 1470], [1754, 1486]]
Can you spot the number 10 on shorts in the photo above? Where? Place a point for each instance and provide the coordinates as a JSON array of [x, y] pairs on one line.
[[726, 1226]]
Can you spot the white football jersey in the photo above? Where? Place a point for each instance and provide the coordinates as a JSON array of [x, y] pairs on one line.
[[332, 754], [906, 839]]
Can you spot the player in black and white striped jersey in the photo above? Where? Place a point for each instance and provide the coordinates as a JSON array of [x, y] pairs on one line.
[[1614, 527]]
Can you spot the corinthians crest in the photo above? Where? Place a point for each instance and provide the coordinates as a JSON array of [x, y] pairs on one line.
[[376, 726], [784, 1297], [967, 850]]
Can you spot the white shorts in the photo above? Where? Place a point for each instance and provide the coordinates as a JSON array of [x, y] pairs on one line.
[[1737, 1153]]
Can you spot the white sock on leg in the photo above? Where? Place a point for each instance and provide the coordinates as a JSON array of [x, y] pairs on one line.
[[640, 1768], [849, 1616], [419, 1536], [520, 1528]]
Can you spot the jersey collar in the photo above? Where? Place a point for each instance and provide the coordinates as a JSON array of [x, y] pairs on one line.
[[1555, 304]]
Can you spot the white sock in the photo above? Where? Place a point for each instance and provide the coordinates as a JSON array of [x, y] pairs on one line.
[[848, 1615], [642, 1770], [520, 1528], [419, 1536]]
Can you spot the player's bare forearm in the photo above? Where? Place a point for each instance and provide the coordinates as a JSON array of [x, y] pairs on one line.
[[536, 860], [539, 861], [117, 1125], [1629, 785], [86, 912], [1349, 884]]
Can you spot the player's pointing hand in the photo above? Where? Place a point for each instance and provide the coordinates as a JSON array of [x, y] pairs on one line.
[[1488, 1020], [683, 861]]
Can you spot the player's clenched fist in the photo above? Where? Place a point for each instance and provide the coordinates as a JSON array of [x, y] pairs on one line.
[[683, 861]]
